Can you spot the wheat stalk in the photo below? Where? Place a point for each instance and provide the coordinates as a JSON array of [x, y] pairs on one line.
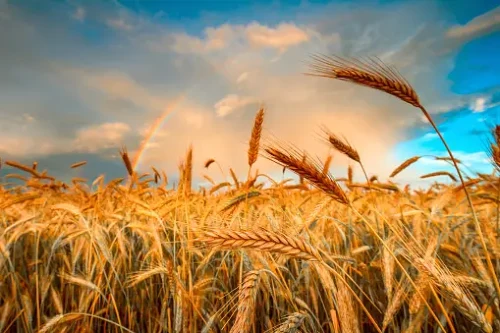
[[78, 164], [373, 73], [290, 157], [369, 73], [404, 165], [246, 302], [253, 150], [439, 173], [261, 240]]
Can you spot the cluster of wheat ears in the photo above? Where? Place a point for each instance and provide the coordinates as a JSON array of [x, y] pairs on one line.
[[323, 255]]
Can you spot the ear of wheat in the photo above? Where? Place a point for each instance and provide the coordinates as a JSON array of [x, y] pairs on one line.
[[369, 73], [291, 158], [261, 240], [404, 165], [253, 150], [373, 73], [342, 146]]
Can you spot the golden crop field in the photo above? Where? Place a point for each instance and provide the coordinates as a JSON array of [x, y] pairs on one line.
[[325, 254]]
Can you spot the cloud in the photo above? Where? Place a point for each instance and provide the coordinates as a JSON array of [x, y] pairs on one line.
[[474, 159], [122, 21], [18, 146], [478, 105], [255, 35], [231, 103], [99, 137], [281, 37], [117, 85], [79, 14], [242, 77], [89, 94], [215, 39], [430, 136], [4, 10], [480, 25], [483, 103]]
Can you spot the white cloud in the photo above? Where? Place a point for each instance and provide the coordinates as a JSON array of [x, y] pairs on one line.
[[102, 136], [481, 104], [471, 160], [282, 37], [28, 118], [255, 35], [193, 118], [214, 39], [478, 105], [430, 136], [120, 23], [242, 77], [231, 103], [143, 83], [479, 25], [79, 14], [22, 146], [116, 84]]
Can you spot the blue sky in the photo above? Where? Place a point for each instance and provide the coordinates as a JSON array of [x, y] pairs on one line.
[[80, 78]]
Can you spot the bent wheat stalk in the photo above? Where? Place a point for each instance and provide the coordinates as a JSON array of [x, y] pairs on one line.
[[373, 73], [288, 156], [262, 240]]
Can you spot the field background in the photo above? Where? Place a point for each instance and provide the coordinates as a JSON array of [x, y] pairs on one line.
[[320, 255], [249, 166]]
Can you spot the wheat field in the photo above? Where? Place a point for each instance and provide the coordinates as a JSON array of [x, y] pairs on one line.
[[325, 254]]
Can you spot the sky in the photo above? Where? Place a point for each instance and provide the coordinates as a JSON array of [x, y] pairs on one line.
[[81, 79]]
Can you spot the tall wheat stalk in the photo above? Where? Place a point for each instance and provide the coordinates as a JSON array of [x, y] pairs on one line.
[[373, 73]]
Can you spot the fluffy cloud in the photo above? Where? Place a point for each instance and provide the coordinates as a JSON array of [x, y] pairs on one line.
[[231, 103], [473, 159], [430, 136], [114, 91], [478, 105], [215, 39], [480, 25], [99, 137], [281, 37], [79, 14]]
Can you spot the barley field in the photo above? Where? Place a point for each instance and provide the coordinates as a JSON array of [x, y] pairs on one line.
[[324, 254]]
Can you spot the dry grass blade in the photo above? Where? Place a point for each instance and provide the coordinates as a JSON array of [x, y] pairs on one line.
[[261, 240], [253, 150], [371, 73]]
